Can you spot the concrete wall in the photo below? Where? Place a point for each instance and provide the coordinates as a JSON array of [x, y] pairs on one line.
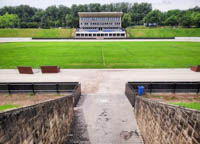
[[187, 38], [161, 123], [45, 123]]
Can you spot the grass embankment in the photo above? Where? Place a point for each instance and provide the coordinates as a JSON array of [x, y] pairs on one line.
[[100, 54], [162, 32], [193, 105], [37, 33], [7, 106], [136, 32]]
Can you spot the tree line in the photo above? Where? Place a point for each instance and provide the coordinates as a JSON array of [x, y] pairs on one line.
[[24, 16]]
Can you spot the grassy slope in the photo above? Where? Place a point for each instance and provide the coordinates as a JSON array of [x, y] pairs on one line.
[[194, 105], [131, 32], [7, 106], [90, 54], [42, 33], [162, 32]]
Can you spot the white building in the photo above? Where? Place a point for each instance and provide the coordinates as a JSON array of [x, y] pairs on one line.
[[100, 25]]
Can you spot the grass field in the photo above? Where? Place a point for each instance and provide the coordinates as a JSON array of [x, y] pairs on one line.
[[100, 54], [162, 32], [193, 105], [7, 106], [41, 33]]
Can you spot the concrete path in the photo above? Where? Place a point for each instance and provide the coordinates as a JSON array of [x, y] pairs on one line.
[[177, 39], [107, 115]]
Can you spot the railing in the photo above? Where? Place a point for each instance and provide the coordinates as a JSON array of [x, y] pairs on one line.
[[160, 87], [37, 87], [174, 87]]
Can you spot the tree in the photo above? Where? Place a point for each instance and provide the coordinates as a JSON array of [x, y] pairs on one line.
[[175, 12], [44, 22], [195, 9], [25, 13], [9, 21], [187, 20], [153, 17], [139, 11], [32, 25], [37, 16], [197, 20], [62, 16], [126, 20], [69, 20], [171, 21], [94, 7]]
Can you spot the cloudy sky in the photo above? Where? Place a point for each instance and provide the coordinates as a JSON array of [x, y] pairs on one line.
[[162, 5]]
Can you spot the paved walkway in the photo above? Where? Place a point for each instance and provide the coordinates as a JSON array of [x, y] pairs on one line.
[[178, 39], [107, 115]]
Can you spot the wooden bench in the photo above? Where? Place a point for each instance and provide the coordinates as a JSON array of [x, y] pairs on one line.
[[196, 69], [25, 70], [50, 69]]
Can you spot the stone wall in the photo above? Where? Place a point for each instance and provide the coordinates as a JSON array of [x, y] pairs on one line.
[[162, 123], [130, 94], [46, 123], [77, 95]]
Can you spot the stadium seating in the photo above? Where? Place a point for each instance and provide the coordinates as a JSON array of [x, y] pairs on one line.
[[92, 30], [108, 30]]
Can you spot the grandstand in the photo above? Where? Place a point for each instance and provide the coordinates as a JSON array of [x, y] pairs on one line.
[[100, 25]]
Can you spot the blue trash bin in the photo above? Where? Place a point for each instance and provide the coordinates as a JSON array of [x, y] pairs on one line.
[[140, 90]]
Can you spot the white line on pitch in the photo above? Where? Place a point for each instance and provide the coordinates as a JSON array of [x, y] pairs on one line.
[[103, 56]]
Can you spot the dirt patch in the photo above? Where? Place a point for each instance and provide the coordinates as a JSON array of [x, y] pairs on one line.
[[174, 97], [27, 99]]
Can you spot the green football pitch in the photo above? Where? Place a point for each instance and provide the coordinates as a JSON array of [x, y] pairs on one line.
[[100, 54]]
